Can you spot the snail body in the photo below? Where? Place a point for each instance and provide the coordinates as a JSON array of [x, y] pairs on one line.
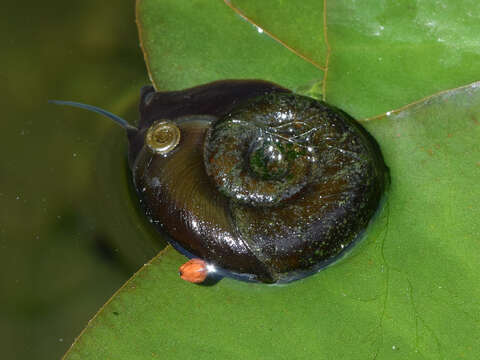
[[264, 184]]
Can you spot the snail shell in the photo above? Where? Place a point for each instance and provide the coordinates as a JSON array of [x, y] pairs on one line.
[[263, 183]]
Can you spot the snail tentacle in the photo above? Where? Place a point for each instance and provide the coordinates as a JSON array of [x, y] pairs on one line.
[[122, 122]]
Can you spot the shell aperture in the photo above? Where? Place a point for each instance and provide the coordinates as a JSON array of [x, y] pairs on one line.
[[263, 183]]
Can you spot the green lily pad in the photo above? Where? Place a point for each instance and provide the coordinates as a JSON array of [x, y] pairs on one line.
[[409, 289]]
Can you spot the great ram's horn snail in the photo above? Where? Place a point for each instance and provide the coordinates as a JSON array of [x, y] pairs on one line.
[[254, 180]]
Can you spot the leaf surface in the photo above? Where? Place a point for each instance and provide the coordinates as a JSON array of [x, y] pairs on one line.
[[409, 289]]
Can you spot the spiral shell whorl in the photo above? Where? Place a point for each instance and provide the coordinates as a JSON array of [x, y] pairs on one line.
[[322, 193], [264, 152], [265, 184]]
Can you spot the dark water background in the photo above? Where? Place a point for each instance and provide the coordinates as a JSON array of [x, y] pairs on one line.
[[70, 230]]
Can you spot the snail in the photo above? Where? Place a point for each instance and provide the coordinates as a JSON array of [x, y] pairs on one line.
[[251, 180]]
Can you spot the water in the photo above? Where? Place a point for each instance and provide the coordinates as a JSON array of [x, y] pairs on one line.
[[70, 233]]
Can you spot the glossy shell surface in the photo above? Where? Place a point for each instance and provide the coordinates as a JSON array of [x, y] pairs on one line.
[[265, 184]]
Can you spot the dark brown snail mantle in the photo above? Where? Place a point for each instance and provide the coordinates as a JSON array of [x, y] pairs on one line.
[[268, 185]]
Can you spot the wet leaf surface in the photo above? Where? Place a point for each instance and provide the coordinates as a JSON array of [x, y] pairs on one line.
[[409, 289]]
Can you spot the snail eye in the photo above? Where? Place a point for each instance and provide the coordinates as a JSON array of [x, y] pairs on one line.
[[162, 137]]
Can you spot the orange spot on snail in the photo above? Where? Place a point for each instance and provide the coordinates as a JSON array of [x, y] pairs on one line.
[[194, 271]]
